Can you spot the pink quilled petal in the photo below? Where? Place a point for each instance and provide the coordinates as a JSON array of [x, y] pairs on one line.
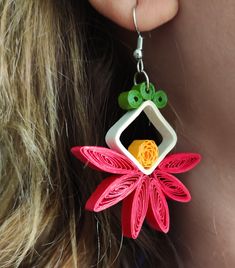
[[172, 187], [111, 191], [179, 162], [158, 212], [104, 159], [134, 209]]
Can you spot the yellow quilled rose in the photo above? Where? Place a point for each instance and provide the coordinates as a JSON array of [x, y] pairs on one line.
[[145, 151]]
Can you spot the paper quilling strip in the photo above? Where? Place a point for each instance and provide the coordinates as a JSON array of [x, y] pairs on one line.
[[145, 151], [144, 196]]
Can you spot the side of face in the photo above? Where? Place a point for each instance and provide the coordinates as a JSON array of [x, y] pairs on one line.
[[193, 60]]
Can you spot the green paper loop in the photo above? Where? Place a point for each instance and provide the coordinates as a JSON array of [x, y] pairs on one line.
[[160, 99], [142, 88], [129, 100]]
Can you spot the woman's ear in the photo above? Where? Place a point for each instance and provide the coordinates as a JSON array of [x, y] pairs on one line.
[[150, 13]]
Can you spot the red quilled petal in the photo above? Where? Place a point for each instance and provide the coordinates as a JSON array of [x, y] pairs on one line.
[[158, 212], [111, 191], [104, 159], [179, 162], [134, 209], [172, 187]]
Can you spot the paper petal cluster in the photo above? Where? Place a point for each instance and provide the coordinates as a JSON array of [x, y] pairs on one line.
[[143, 196]]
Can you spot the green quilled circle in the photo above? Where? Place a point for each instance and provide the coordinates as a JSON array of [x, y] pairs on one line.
[[147, 94], [129, 100], [160, 99]]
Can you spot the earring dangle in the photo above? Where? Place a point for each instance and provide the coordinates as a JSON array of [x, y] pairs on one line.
[[141, 174]]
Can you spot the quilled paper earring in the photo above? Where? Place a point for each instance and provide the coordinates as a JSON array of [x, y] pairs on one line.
[[142, 172]]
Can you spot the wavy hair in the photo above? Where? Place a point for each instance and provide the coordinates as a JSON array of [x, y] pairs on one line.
[[54, 93]]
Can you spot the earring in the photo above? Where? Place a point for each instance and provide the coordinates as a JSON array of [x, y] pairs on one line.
[[142, 172]]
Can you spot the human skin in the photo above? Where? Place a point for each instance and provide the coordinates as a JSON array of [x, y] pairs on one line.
[[150, 13], [193, 58]]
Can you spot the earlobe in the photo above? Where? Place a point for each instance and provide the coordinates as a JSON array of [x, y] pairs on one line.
[[150, 13]]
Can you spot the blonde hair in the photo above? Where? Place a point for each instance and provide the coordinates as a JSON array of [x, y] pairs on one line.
[[40, 60], [45, 105]]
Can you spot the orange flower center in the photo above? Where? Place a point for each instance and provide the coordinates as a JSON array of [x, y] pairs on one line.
[[145, 151]]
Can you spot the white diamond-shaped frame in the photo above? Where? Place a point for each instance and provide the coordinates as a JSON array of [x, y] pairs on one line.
[[169, 137]]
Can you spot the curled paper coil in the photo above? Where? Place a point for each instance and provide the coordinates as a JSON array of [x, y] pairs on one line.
[[130, 99], [146, 93], [116, 189], [143, 196], [180, 162], [134, 209], [160, 99], [172, 187], [158, 212], [104, 159], [145, 151]]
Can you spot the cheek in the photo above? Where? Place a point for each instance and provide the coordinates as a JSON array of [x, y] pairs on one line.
[[193, 60], [206, 226]]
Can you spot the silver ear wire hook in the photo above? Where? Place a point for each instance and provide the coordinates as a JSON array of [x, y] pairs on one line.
[[138, 53], [135, 21]]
